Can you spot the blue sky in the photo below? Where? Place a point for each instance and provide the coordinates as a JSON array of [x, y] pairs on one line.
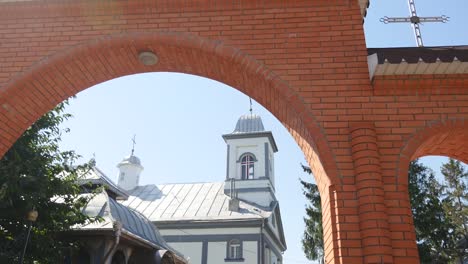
[[178, 119]]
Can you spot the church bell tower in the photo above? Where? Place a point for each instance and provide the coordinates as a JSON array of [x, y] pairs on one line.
[[250, 161]]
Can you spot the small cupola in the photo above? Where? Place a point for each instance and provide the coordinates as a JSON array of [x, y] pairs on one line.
[[249, 123], [129, 171]]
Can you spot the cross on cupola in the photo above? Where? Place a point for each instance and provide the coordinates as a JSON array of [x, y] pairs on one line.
[[134, 143], [415, 21]]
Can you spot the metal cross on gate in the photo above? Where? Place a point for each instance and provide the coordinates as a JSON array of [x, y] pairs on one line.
[[415, 20]]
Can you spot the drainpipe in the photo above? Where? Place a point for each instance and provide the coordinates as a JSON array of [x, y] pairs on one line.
[[117, 227]]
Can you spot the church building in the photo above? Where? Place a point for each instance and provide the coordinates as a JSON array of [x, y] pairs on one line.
[[236, 220], [121, 235]]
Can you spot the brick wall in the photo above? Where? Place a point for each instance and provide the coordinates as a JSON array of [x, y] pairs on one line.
[[305, 61]]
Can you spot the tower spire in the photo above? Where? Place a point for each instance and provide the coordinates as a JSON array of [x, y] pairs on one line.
[[250, 105]]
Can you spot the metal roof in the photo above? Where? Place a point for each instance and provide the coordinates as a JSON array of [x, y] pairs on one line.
[[418, 54], [97, 177], [189, 202], [132, 221], [418, 60], [105, 206], [249, 124]]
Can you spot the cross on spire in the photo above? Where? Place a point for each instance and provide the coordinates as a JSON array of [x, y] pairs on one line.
[[134, 142], [415, 21]]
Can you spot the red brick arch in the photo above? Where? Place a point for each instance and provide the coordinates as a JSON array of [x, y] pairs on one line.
[[305, 61], [55, 78], [442, 138]]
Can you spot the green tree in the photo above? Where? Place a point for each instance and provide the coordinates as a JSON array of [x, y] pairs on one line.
[[36, 174], [434, 231], [439, 212], [455, 201], [312, 240]]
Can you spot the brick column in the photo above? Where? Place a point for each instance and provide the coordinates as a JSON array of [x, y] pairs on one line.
[[373, 219]]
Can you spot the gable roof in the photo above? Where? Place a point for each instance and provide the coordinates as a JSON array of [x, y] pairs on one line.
[[132, 222], [190, 202], [97, 177]]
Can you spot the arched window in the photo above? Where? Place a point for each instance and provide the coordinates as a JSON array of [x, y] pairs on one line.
[[234, 249], [247, 166]]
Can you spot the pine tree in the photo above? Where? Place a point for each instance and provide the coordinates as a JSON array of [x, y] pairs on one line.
[[455, 201], [439, 212], [312, 240]]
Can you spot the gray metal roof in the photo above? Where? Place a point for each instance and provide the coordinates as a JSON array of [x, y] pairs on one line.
[[132, 221], [97, 177], [105, 206], [189, 202], [251, 126], [249, 123]]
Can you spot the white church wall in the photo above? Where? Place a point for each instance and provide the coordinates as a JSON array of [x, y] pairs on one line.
[[216, 252], [271, 162], [257, 183], [193, 250], [250, 253], [260, 198], [209, 231]]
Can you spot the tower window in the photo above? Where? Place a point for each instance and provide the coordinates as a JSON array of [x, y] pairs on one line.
[[247, 167]]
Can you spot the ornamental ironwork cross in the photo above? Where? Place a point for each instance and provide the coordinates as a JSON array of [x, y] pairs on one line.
[[134, 142], [415, 21]]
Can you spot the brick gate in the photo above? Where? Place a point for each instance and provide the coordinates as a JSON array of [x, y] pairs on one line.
[[360, 116]]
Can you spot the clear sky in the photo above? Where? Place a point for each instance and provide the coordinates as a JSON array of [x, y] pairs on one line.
[[178, 119]]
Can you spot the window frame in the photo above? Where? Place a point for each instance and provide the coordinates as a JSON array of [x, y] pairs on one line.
[[232, 257], [250, 163]]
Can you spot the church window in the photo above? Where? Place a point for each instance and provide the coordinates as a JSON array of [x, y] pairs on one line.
[[122, 175], [234, 249], [247, 167]]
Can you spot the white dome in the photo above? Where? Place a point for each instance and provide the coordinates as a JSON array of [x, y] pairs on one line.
[[131, 160]]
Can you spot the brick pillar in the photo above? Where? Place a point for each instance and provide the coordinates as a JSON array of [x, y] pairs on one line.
[[373, 218]]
